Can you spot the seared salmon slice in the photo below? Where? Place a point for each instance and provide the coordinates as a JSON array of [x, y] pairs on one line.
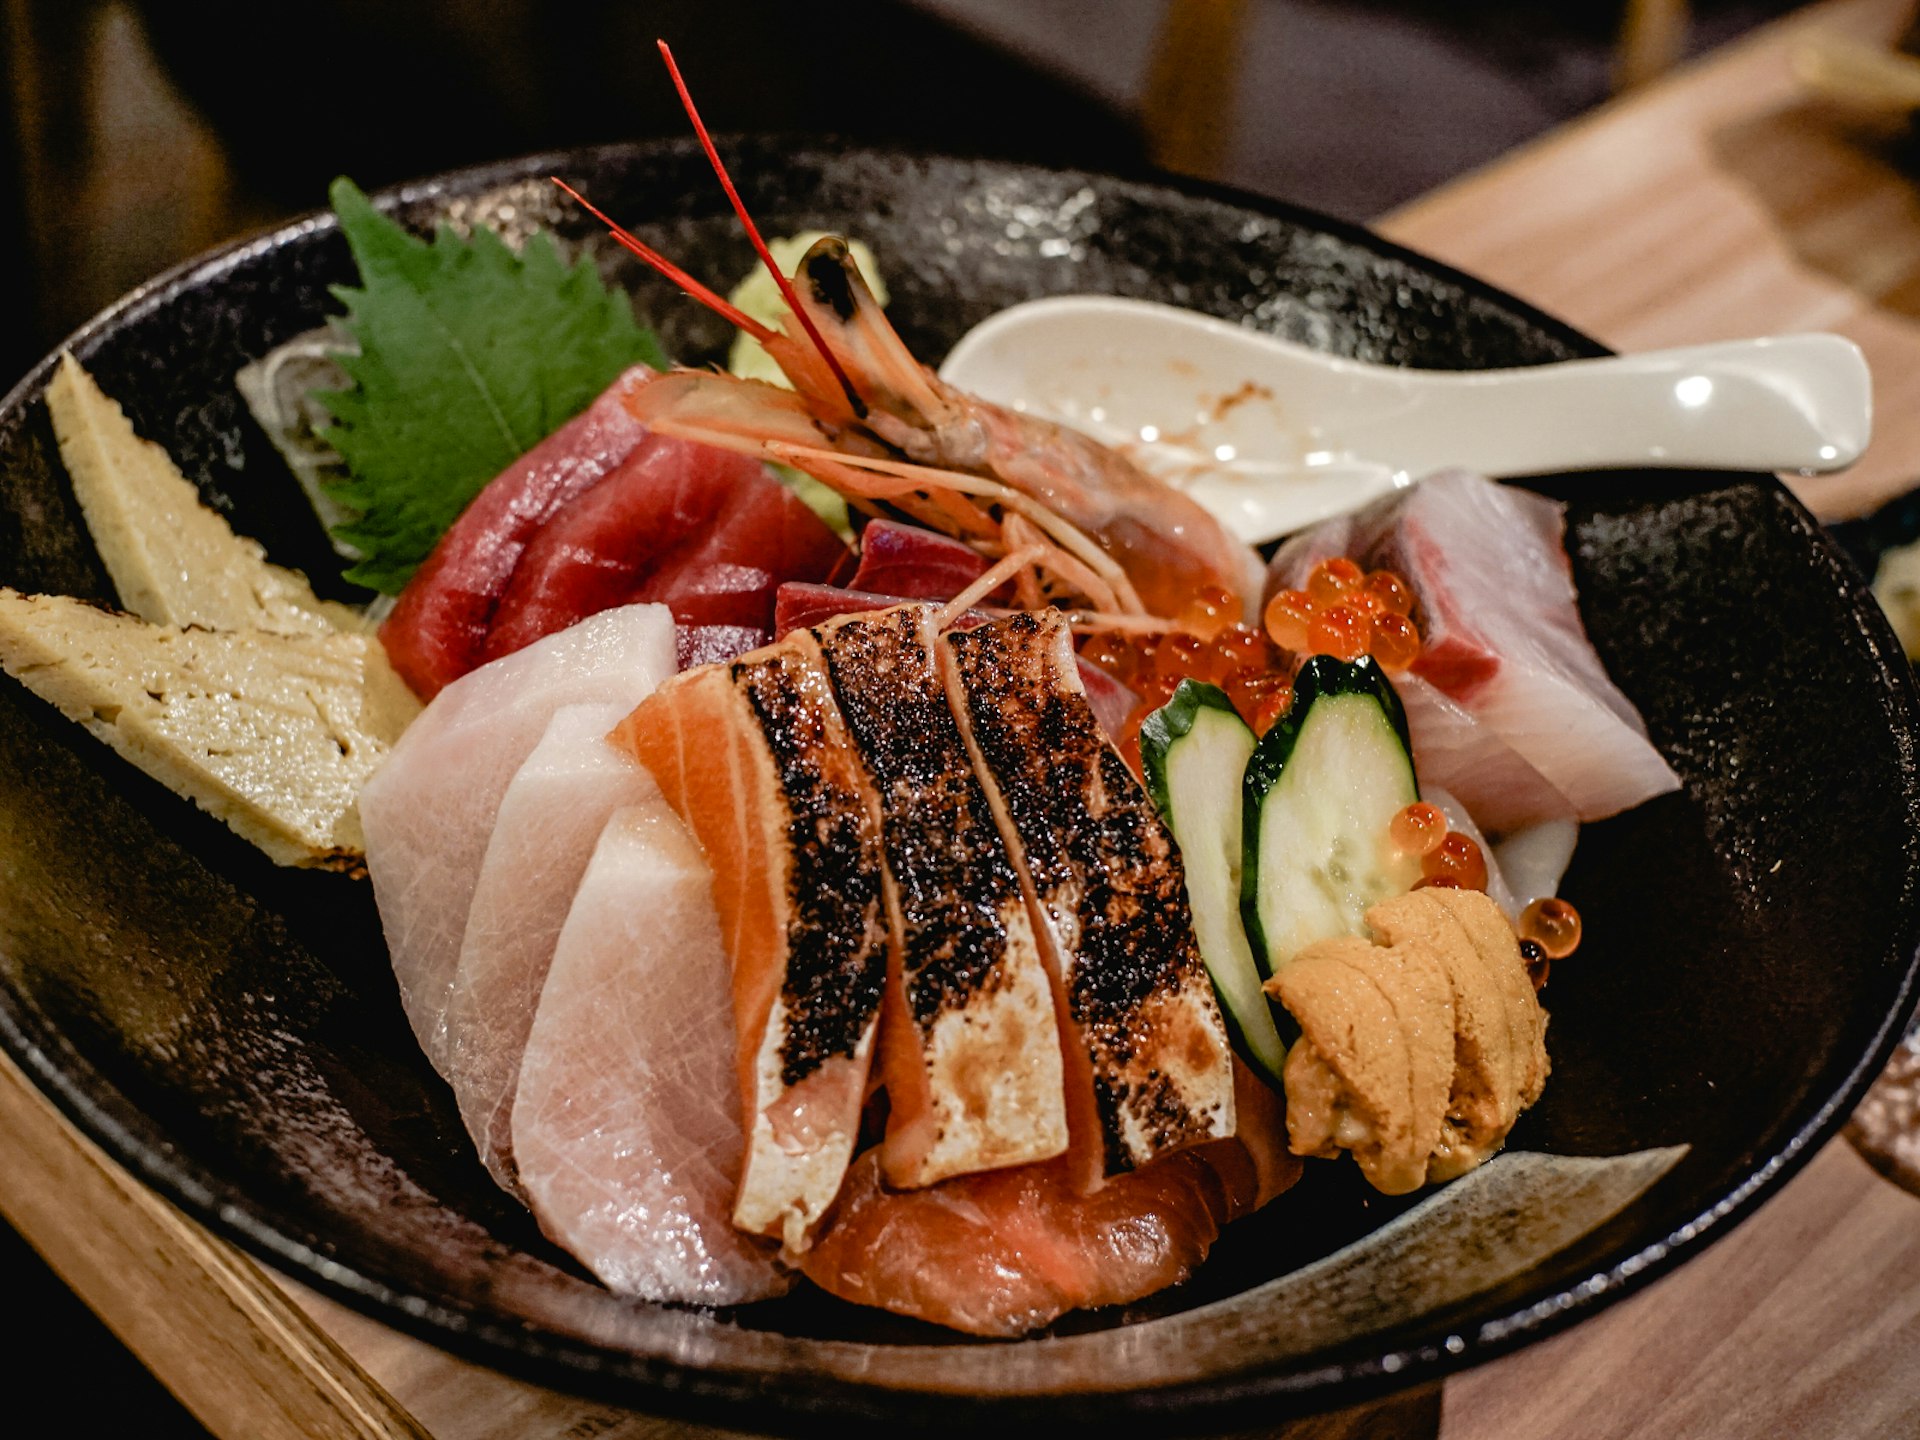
[[969, 1044], [1105, 879], [754, 757]]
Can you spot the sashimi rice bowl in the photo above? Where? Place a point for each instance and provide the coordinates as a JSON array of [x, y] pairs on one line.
[[866, 863]]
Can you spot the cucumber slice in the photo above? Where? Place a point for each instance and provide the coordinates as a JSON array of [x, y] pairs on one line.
[[1321, 790], [1195, 750]]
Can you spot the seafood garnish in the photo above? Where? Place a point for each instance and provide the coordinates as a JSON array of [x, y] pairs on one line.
[[868, 419]]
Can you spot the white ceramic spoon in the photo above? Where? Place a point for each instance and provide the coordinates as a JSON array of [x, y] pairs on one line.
[[1272, 436]]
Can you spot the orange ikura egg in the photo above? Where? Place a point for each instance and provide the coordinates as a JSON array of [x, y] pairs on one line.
[[1290, 615], [1332, 579], [1553, 925], [1393, 641], [1339, 632], [1418, 829], [1391, 591], [1458, 859]]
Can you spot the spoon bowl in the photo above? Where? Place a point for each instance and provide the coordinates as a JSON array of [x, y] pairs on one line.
[[1272, 436]]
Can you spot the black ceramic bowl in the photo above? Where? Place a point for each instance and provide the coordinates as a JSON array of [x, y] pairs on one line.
[[231, 1031]]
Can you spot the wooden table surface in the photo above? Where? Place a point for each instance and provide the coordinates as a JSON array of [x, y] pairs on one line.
[[1719, 203]]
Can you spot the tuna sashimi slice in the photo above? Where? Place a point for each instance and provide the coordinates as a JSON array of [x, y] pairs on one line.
[[1502, 638], [714, 644], [799, 605], [549, 820], [429, 811], [438, 629], [703, 531], [625, 1129], [1143, 1038], [755, 758], [969, 1046], [913, 563]]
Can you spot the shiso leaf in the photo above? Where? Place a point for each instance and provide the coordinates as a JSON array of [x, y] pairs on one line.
[[469, 355]]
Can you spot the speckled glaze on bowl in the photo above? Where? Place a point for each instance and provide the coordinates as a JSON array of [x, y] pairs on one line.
[[231, 1031]]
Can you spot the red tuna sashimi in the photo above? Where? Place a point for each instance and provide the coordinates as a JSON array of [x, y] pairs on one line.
[[716, 644], [801, 606], [1502, 639], [438, 629], [705, 532], [914, 564]]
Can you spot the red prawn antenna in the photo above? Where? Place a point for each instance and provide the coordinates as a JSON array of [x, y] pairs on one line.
[[666, 267], [753, 233]]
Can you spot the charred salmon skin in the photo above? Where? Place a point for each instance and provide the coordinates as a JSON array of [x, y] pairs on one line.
[[969, 1045], [1143, 1030], [754, 757]]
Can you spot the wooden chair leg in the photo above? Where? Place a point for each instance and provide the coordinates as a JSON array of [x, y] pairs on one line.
[[1653, 37], [1188, 109]]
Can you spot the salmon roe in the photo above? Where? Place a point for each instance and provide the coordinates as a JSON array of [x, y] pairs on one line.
[[1332, 579], [1256, 676], [1418, 829], [1456, 858], [1289, 618], [1347, 613], [1538, 964], [1553, 925]]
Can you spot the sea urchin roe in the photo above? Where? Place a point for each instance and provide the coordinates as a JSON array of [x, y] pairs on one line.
[[1553, 925], [1418, 1050]]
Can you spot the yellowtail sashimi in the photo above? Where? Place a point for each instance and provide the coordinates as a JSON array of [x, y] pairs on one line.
[[428, 812], [549, 821], [626, 1130]]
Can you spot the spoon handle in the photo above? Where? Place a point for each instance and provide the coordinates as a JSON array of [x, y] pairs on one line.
[[1795, 402]]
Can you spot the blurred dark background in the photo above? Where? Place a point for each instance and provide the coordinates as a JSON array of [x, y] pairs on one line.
[[136, 134]]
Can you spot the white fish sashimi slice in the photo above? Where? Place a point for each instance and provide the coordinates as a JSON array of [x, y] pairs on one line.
[[1535, 859], [428, 811], [626, 1126], [1461, 753], [549, 820], [1502, 637]]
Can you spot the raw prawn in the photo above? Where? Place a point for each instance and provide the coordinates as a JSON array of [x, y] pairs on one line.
[[868, 419]]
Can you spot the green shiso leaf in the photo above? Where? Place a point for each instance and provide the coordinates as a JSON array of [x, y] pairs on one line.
[[468, 356]]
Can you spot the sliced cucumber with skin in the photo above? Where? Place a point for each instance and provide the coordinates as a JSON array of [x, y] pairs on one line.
[[1321, 791], [1194, 750]]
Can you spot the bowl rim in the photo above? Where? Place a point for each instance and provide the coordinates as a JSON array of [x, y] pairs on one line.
[[805, 1402]]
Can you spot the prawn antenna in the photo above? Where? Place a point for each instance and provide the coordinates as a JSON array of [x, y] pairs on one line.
[[753, 234], [666, 267], [628, 240]]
